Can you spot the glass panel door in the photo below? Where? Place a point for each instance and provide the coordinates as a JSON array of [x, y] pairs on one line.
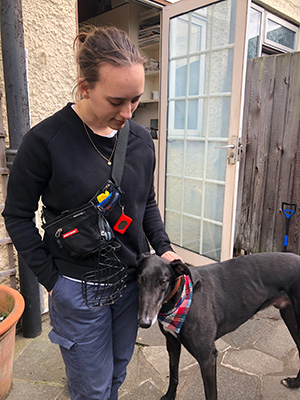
[[200, 73]]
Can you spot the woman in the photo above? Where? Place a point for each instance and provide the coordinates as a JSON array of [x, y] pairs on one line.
[[65, 159]]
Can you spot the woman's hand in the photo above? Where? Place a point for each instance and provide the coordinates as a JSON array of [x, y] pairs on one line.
[[171, 256]]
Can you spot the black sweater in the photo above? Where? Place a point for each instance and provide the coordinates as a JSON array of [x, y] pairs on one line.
[[56, 161]]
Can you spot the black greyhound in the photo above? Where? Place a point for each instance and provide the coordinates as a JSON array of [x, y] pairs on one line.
[[225, 295]]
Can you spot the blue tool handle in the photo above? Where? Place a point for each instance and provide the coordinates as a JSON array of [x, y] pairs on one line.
[[288, 210]]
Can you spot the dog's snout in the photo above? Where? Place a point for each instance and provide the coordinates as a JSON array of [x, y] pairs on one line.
[[144, 323]]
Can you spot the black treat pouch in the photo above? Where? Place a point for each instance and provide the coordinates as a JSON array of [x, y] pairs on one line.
[[84, 230], [80, 232]]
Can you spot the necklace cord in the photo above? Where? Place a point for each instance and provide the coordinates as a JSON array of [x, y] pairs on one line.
[[108, 160]]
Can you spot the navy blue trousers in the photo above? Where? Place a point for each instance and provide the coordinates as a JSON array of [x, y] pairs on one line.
[[96, 344]]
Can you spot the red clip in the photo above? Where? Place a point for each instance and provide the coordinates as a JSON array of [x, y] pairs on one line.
[[122, 224]]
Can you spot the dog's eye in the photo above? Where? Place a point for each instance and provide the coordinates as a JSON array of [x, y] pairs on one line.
[[139, 281]]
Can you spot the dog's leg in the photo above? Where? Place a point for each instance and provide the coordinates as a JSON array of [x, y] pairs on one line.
[[174, 350], [205, 353], [209, 375], [292, 323], [198, 337]]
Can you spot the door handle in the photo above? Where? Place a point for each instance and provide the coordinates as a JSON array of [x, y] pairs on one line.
[[235, 149], [228, 146]]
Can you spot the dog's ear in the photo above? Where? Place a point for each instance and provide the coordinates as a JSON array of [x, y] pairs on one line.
[[179, 268], [143, 256]]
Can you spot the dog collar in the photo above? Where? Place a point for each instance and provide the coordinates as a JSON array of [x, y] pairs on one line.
[[178, 280], [175, 318]]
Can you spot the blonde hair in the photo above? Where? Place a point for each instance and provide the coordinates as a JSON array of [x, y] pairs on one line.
[[104, 45]]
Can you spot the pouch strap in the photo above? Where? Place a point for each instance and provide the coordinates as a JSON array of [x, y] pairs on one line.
[[119, 157]]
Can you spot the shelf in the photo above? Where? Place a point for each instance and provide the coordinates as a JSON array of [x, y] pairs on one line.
[[145, 101], [152, 73], [153, 45], [150, 14]]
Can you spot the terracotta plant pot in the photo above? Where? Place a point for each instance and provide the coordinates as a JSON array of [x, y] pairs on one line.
[[12, 303]]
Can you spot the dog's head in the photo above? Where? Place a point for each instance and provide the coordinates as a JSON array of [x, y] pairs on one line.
[[155, 279]]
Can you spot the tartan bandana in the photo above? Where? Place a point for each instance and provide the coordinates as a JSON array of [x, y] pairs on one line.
[[175, 318]]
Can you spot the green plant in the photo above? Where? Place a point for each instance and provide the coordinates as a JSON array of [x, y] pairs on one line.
[[3, 316]]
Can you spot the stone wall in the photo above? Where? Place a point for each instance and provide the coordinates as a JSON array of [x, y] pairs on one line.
[[50, 27]]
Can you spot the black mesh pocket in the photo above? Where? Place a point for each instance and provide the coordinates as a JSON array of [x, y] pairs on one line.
[[105, 284]]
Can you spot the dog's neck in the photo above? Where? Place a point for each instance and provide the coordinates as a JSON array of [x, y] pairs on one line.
[[175, 293]]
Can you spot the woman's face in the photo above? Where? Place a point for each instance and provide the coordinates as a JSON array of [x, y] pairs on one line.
[[116, 95]]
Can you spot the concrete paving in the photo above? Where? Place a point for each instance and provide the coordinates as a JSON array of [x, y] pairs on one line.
[[251, 362]]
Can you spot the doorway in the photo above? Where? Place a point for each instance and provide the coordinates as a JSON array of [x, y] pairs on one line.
[[203, 55]]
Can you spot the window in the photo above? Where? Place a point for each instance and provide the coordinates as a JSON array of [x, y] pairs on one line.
[[269, 34]]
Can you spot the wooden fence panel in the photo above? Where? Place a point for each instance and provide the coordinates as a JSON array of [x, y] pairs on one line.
[[287, 179], [269, 168], [275, 154]]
